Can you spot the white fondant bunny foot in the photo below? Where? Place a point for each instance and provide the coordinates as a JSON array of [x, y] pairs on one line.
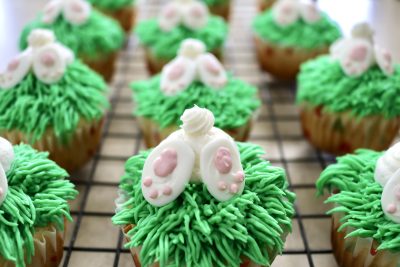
[[310, 12], [51, 11], [211, 71], [16, 70], [221, 169], [6, 159], [166, 171], [195, 15], [384, 60], [391, 198], [170, 17], [3, 185], [49, 64], [286, 12], [177, 75], [357, 58], [77, 11]]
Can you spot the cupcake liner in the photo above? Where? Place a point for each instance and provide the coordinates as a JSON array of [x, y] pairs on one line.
[[70, 156], [155, 65], [340, 133], [284, 62], [48, 245], [265, 4], [153, 135], [358, 251], [125, 16], [222, 10], [104, 65]]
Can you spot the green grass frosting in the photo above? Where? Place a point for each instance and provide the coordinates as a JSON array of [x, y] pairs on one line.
[[38, 196], [99, 35], [299, 34], [111, 4], [32, 106], [232, 106], [323, 82], [359, 198], [197, 230], [166, 44], [215, 2]]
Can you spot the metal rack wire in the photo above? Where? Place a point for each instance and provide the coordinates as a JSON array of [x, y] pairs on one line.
[[276, 96]]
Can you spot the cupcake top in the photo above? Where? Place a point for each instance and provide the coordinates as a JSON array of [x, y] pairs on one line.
[[195, 77], [369, 194], [358, 76], [298, 24], [87, 32], [179, 20], [45, 87], [111, 4], [200, 199], [33, 193]]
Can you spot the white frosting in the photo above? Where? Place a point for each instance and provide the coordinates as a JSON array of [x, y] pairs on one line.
[[76, 12], [192, 63], [198, 152], [6, 159], [387, 164], [45, 57], [358, 53], [192, 14], [287, 12]]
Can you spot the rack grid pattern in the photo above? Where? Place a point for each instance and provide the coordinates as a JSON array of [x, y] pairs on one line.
[[93, 241]]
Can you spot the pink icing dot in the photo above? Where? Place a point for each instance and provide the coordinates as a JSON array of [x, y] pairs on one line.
[[212, 67], [47, 59], [222, 186], [223, 160], [391, 208], [239, 177], [153, 194], [234, 188], [166, 163], [147, 182], [358, 53], [13, 65], [176, 71], [167, 190]]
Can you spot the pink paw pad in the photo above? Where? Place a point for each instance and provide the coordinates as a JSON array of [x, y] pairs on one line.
[[13, 65], [197, 12], [212, 67], [222, 186], [358, 53], [391, 208], [239, 177], [223, 160], [167, 190], [153, 194], [234, 188], [147, 182], [176, 72], [165, 164], [47, 59], [77, 7]]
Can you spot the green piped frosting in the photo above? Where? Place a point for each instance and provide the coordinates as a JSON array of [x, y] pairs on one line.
[[111, 4], [32, 106], [300, 34], [38, 196], [165, 45], [215, 2], [232, 105], [359, 198], [323, 82], [98, 36], [197, 230]]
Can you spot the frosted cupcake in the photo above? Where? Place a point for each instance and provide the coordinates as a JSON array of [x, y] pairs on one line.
[[34, 207], [195, 77], [52, 101], [219, 7], [121, 10], [94, 38], [366, 217], [349, 99], [179, 20], [201, 199], [291, 33]]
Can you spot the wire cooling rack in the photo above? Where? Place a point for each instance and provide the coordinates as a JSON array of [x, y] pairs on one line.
[[92, 240]]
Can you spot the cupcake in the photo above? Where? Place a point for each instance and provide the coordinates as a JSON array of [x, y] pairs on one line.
[[350, 98], [220, 8], [194, 77], [366, 216], [291, 33], [200, 199], [121, 10], [53, 102], [265, 4], [179, 20], [34, 207], [93, 37]]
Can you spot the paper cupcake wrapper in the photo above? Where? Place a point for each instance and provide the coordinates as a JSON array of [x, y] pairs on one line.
[[222, 10], [125, 16], [70, 156], [265, 4], [358, 251], [136, 252], [103, 65], [284, 62], [153, 135], [48, 245], [341, 133]]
